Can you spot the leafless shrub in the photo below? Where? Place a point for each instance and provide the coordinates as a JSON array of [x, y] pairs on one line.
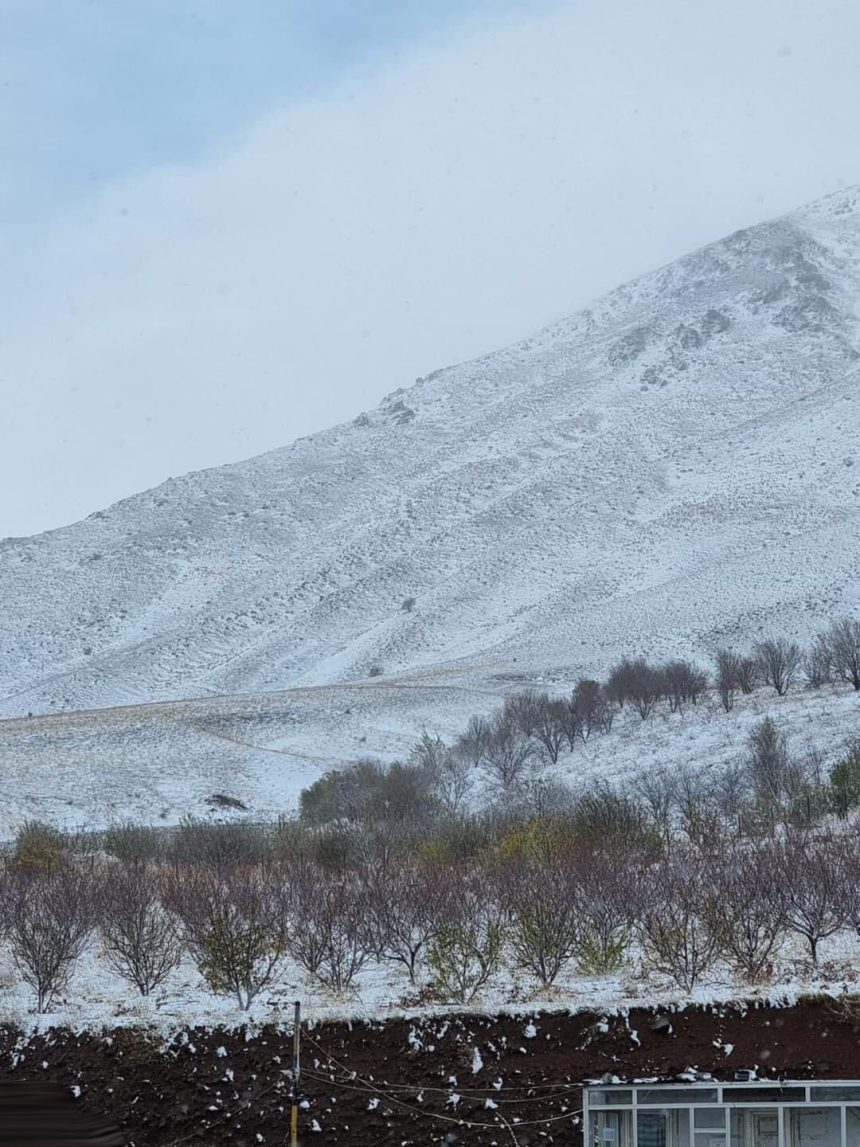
[[219, 846], [51, 920], [524, 711], [778, 661], [134, 843], [230, 926], [139, 937]]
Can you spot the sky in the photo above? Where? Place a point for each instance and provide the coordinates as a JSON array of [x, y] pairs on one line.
[[225, 225]]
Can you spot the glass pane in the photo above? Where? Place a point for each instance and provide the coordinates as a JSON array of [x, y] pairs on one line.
[[755, 1128], [663, 1128], [610, 1098], [761, 1094], [710, 1138], [852, 1126], [612, 1128], [834, 1094], [813, 1127], [710, 1117], [672, 1095]]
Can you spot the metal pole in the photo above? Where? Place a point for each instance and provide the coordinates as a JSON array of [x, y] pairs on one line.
[[294, 1104]]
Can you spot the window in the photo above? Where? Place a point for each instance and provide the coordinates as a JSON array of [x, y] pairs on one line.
[[813, 1127], [612, 1128], [663, 1128]]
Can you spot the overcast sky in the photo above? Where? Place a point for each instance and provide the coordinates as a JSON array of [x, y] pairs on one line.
[[228, 223]]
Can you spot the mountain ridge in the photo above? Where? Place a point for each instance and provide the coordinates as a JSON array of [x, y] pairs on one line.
[[537, 503]]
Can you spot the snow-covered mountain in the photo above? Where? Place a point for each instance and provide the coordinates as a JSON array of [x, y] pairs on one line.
[[675, 466], [677, 462]]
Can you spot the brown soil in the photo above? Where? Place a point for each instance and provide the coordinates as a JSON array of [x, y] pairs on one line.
[[370, 1085]]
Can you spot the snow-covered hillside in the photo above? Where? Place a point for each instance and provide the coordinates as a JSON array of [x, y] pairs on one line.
[[676, 465]]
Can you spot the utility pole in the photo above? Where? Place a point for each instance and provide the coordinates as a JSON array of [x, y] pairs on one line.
[[294, 1104]]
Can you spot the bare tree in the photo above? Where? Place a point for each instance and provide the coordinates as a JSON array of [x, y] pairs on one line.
[[591, 707], [745, 910], [748, 674], [676, 926], [139, 937], [645, 687], [550, 730], [403, 905], [51, 921], [543, 924], [657, 790], [818, 663], [331, 936], [450, 770], [230, 927], [606, 900], [682, 682], [728, 677], [778, 660], [467, 942], [472, 743], [842, 641], [811, 897], [508, 755], [523, 711], [768, 764]]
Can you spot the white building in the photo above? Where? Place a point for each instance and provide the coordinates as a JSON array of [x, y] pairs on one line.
[[758, 1113]]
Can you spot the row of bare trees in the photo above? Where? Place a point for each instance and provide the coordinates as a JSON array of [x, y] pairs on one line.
[[542, 898]]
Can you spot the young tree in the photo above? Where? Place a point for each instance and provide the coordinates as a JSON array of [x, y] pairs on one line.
[[51, 921], [331, 935], [508, 754], [139, 937], [472, 743], [544, 926], [403, 903], [728, 677], [810, 895], [842, 642], [768, 764], [606, 901], [230, 927], [778, 660], [676, 926], [467, 942], [745, 909], [748, 674]]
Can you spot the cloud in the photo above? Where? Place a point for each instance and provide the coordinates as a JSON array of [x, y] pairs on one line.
[[453, 202]]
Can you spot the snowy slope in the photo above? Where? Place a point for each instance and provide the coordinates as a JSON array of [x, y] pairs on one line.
[[677, 464]]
